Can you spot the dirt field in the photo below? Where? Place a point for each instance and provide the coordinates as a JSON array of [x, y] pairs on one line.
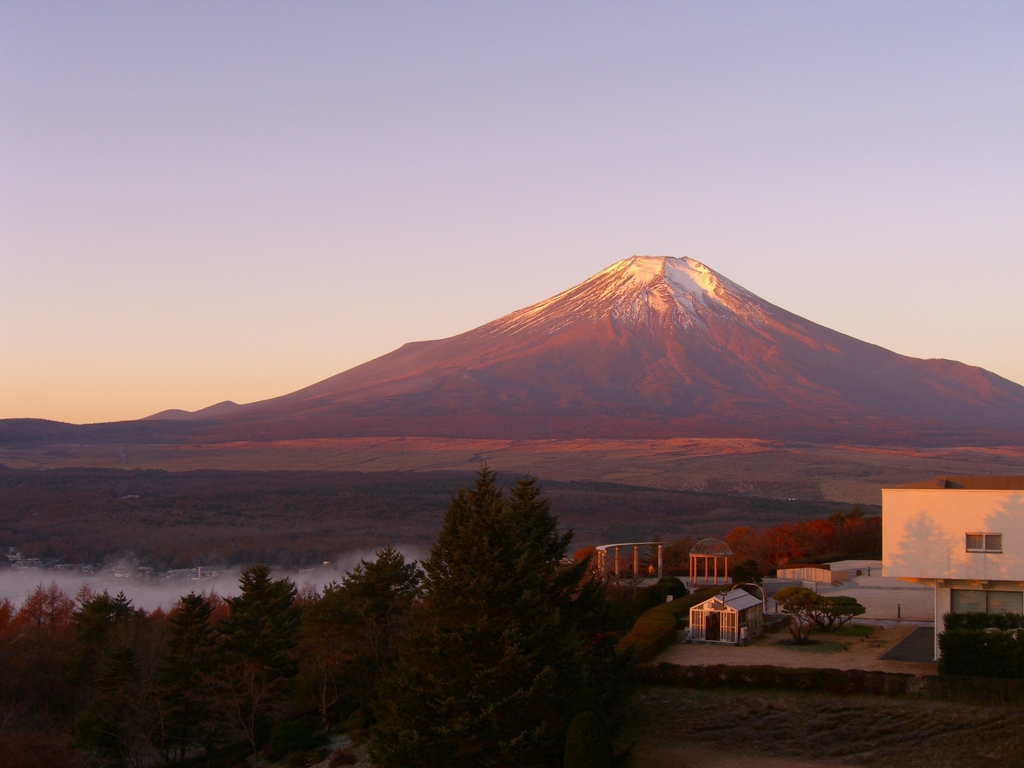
[[723, 465], [686, 728], [828, 650]]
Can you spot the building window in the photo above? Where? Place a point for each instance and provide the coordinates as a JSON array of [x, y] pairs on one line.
[[985, 542], [986, 601]]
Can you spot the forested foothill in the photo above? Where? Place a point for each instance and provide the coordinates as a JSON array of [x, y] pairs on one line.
[[295, 518]]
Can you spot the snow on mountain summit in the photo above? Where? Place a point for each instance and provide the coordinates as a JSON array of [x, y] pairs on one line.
[[652, 292]]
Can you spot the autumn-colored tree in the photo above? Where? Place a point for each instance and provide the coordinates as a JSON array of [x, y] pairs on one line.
[[585, 554], [36, 644], [746, 544], [782, 543], [842, 533], [820, 536]]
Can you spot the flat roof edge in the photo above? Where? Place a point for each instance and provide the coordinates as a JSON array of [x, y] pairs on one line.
[[964, 483]]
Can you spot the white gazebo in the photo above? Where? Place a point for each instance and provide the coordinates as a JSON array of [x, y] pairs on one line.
[[709, 562], [731, 617]]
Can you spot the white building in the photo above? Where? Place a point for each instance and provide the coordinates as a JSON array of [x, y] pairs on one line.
[[962, 535]]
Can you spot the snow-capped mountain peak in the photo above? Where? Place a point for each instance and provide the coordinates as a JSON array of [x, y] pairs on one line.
[[652, 346], [642, 292]]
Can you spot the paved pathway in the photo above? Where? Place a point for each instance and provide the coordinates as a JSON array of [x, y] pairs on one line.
[[918, 647]]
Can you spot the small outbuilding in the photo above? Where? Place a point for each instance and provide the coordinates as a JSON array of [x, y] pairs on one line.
[[732, 617]]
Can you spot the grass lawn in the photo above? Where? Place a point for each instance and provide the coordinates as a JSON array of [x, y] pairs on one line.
[[850, 630], [815, 645], [830, 642]]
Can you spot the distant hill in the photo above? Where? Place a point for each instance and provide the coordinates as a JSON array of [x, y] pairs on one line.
[[651, 347]]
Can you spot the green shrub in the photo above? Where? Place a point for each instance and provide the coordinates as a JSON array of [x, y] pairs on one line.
[[655, 630], [290, 736], [656, 593], [587, 744], [981, 653], [748, 571], [983, 620], [671, 585]]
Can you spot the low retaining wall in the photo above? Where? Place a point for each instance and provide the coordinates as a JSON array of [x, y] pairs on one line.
[[812, 574]]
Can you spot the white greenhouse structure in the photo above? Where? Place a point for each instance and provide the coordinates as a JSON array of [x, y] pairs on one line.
[[732, 617]]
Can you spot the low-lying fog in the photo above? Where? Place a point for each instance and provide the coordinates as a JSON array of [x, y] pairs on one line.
[[158, 591]]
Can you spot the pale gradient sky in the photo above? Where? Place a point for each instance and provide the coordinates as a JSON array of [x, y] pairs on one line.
[[211, 201]]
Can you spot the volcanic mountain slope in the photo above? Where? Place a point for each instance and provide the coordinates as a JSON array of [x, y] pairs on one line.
[[650, 347]]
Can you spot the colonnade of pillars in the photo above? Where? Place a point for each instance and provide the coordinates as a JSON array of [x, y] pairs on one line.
[[602, 557]]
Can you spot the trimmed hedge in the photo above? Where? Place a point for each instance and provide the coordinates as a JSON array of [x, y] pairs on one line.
[[656, 628], [981, 653], [972, 690], [785, 678], [983, 621]]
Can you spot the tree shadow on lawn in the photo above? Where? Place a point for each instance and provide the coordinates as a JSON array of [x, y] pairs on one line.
[[815, 646], [822, 642]]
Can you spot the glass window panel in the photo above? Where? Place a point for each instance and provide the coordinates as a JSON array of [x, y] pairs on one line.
[[975, 541], [1006, 602], [968, 601], [994, 542]]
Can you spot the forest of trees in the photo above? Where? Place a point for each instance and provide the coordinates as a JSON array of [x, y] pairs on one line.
[[762, 550], [93, 680], [301, 518], [484, 654], [489, 648]]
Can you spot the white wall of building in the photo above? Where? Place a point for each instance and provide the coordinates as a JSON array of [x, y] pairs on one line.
[[924, 538], [924, 533]]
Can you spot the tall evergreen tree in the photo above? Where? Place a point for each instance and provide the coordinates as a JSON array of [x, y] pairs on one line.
[[505, 647], [379, 595], [257, 651], [184, 676], [327, 649], [102, 624], [115, 728]]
